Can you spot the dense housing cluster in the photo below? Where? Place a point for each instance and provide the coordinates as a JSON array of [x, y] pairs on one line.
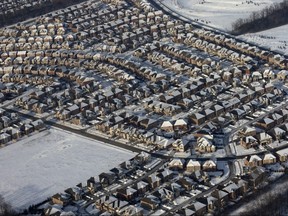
[[125, 70], [145, 185], [10, 11]]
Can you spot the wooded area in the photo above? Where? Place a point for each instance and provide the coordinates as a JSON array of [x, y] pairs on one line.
[[270, 17]]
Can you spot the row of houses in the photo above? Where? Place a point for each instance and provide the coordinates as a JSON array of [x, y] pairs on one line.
[[13, 128], [155, 191], [272, 127]]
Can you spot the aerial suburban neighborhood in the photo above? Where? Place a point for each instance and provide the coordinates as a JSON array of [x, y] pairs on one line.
[[205, 113]]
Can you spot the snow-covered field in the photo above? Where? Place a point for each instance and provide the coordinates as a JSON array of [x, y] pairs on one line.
[[220, 14], [275, 38], [49, 162]]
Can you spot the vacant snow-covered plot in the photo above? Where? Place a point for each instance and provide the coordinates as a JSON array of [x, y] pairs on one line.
[[220, 14], [275, 38], [49, 162]]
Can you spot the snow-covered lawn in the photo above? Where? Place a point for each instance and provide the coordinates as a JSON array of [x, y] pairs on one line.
[[220, 14], [275, 38], [51, 161]]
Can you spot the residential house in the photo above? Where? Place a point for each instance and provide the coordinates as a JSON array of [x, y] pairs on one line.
[[107, 179], [164, 195], [181, 125], [197, 118], [277, 133], [142, 187], [5, 138], [167, 126], [264, 138], [180, 145], [233, 190], [127, 193], [150, 202], [249, 142], [61, 199], [269, 159], [199, 208], [54, 210], [209, 165], [75, 193], [265, 123], [165, 175], [218, 109], [132, 210], [204, 144], [209, 113], [242, 184], [221, 196], [253, 161], [176, 164], [248, 131], [93, 185], [257, 176], [38, 124], [154, 181], [193, 166], [282, 155]]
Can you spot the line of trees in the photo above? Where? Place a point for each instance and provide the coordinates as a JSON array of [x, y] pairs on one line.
[[273, 204], [6, 208], [269, 17]]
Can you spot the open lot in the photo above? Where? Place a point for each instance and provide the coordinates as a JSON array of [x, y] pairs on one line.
[[276, 38], [49, 162]]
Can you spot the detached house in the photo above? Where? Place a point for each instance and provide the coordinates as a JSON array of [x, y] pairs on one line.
[[269, 159], [282, 155], [180, 145], [264, 138], [167, 126], [209, 165], [233, 191], [277, 133], [253, 161], [193, 166], [265, 123], [197, 118], [257, 176], [249, 142]]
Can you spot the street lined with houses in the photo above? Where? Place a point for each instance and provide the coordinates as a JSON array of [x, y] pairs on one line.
[[205, 112]]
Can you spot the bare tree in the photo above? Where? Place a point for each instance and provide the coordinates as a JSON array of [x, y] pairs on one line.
[[269, 17], [6, 208]]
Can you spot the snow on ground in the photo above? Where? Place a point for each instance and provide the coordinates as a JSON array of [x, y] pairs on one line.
[[220, 14], [276, 38], [50, 162], [221, 165], [241, 151]]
